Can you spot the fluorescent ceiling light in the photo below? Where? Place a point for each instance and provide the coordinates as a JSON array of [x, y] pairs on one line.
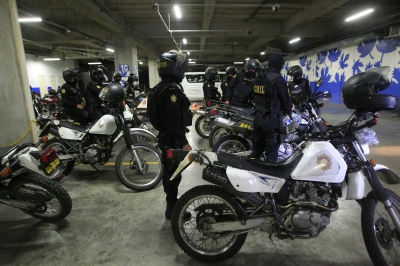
[[51, 59], [192, 62], [110, 50], [190, 59], [30, 19], [94, 63], [356, 16], [188, 53], [295, 40], [248, 58], [177, 11], [238, 63], [262, 53], [140, 63], [184, 41]]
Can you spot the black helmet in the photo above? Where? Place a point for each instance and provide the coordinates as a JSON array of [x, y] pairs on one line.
[[172, 64], [112, 95], [254, 64], [296, 72], [231, 70], [117, 77], [70, 75], [210, 73], [361, 91], [97, 73]]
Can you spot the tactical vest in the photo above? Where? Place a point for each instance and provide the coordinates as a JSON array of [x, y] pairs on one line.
[[73, 93], [265, 97], [242, 91]]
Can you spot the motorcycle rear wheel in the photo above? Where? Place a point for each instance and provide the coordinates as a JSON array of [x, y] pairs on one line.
[[207, 204], [380, 236], [202, 126], [218, 132], [231, 144], [62, 149], [55, 209], [131, 176]]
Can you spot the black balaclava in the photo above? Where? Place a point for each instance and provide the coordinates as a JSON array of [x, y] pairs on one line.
[[276, 62]]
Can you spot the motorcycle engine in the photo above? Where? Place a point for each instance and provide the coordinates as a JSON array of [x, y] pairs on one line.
[[97, 150], [305, 220]]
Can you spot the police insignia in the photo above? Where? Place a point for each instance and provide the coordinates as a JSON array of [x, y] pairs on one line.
[[63, 91], [324, 162], [226, 83], [173, 98], [98, 87], [209, 85]]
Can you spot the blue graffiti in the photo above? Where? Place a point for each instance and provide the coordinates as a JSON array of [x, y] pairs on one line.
[[357, 67], [303, 60], [368, 66], [334, 55], [322, 57], [317, 71], [343, 61], [308, 65], [386, 46], [377, 64], [396, 75], [365, 49], [325, 74]]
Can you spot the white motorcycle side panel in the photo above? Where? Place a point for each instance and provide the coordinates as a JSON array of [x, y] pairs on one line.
[[355, 186], [105, 126], [67, 133], [246, 181], [28, 161], [321, 162], [143, 103]]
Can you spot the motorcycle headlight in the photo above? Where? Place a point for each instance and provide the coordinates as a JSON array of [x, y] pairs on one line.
[[367, 137]]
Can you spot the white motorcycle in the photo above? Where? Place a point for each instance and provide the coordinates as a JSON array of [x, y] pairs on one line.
[[294, 198], [138, 165]]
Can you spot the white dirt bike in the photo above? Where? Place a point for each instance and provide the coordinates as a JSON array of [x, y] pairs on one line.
[[294, 198]]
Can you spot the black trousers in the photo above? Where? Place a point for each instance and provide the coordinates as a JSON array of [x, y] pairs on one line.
[[170, 187], [80, 116], [96, 112], [264, 139]]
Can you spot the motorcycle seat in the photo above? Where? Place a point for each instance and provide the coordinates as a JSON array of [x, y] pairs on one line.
[[74, 126], [281, 169], [5, 150]]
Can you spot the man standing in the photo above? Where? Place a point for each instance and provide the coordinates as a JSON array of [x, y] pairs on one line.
[[299, 83], [93, 89], [173, 116], [230, 71], [271, 97], [209, 89]]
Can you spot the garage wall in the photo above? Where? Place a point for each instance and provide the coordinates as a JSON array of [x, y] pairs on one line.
[[44, 75], [335, 66]]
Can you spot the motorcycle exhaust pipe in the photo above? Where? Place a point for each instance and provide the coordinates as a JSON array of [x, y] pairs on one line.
[[223, 122], [312, 205]]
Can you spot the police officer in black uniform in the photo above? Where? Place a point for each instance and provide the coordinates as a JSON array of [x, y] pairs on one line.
[[299, 82], [94, 103], [271, 97], [117, 77], [132, 84], [240, 88], [176, 116], [71, 97], [209, 89], [230, 71]]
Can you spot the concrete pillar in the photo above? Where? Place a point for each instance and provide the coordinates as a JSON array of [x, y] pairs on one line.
[[154, 79], [16, 111], [125, 53]]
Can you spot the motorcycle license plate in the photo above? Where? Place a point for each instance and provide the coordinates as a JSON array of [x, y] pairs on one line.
[[52, 165], [291, 127]]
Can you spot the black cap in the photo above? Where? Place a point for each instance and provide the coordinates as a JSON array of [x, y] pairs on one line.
[[276, 61]]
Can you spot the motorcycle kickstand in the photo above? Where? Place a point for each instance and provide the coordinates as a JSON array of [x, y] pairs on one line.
[[97, 169]]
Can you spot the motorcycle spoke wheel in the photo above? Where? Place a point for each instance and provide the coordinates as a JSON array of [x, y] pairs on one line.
[[202, 127], [129, 173], [231, 144], [56, 208], [217, 133], [207, 205], [380, 235]]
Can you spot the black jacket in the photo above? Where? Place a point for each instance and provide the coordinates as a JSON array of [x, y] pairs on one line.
[[239, 90], [71, 96], [93, 90], [304, 93], [210, 91]]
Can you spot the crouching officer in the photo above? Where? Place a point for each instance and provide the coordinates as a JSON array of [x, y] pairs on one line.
[[209, 89], [71, 98], [271, 97], [174, 116], [94, 103]]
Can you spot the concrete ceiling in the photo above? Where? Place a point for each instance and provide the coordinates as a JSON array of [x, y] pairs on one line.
[[217, 31]]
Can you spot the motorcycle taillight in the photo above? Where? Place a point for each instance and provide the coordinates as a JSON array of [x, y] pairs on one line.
[[213, 111], [170, 154], [48, 155]]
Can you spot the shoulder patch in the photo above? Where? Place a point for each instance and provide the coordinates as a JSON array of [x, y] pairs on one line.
[[98, 86], [209, 85], [173, 98], [226, 83], [63, 91]]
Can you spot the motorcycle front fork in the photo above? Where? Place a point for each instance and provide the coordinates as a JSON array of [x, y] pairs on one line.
[[129, 143], [377, 188]]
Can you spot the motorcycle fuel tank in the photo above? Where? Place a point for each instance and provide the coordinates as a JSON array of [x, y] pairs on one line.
[[321, 162], [105, 126]]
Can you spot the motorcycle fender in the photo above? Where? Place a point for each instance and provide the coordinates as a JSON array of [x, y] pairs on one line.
[[28, 161], [386, 175], [355, 186], [247, 181], [141, 131]]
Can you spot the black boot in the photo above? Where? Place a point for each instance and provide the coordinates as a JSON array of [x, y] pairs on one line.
[[170, 208]]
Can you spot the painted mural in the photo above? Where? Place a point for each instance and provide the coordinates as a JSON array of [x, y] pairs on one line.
[[335, 66]]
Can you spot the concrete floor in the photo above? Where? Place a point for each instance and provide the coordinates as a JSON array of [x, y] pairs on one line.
[[112, 225]]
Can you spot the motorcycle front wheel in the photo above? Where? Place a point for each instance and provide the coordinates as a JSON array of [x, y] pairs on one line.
[[45, 113], [381, 238], [58, 203], [207, 205], [202, 126], [62, 148], [216, 133], [231, 144], [129, 172]]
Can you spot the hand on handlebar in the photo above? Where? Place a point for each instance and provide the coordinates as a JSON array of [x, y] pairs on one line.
[[293, 107], [227, 102], [187, 147]]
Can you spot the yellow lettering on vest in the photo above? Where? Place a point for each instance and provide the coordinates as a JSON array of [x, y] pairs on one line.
[[161, 64], [259, 89]]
